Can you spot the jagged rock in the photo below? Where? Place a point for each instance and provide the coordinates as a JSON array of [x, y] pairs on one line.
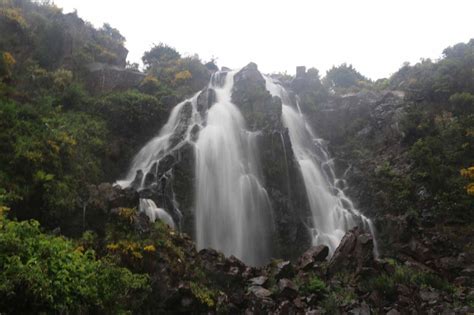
[[184, 120], [259, 108], [166, 163], [313, 255], [195, 132], [137, 181], [429, 296], [393, 312], [284, 269], [355, 252], [104, 78], [363, 309], [260, 292], [287, 288], [259, 281], [205, 100]]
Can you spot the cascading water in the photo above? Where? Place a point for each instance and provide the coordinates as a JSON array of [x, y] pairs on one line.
[[149, 207], [149, 156], [232, 208], [333, 213], [233, 211]]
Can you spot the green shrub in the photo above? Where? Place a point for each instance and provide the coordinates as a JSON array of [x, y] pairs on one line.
[[314, 286], [44, 273]]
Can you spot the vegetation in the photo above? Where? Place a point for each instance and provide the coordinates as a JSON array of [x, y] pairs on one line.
[[46, 273], [58, 137]]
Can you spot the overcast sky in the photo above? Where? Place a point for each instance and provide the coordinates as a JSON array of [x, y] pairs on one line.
[[376, 36]]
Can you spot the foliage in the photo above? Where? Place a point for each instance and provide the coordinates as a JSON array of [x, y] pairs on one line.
[[343, 76], [168, 72], [44, 273], [160, 53], [314, 286], [49, 156], [386, 284]]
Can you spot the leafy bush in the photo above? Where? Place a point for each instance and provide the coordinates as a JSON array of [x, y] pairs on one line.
[[314, 286], [44, 273]]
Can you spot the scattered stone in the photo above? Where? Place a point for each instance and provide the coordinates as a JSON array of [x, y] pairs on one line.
[[313, 255], [259, 281], [393, 311], [260, 292], [284, 270], [287, 288]]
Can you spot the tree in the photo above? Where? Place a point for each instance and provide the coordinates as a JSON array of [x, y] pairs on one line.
[[343, 76], [160, 53]]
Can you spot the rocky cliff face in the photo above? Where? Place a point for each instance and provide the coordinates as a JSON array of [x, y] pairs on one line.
[[171, 183], [280, 169]]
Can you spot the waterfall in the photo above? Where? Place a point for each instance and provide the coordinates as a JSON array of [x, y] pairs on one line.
[[333, 213], [149, 156], [149, 207], [233, 211]]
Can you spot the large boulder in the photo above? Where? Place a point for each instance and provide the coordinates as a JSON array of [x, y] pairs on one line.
[[355, 253]]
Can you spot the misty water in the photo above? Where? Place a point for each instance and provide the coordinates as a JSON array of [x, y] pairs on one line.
[[233, 212]]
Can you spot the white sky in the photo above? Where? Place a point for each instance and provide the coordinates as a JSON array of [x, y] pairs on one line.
[[376, 36]]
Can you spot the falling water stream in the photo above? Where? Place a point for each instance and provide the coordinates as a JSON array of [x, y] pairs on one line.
[[233, 212], [333, 213]]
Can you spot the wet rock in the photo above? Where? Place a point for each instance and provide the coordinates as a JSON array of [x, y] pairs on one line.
[[363, 309], [166, 163], [287, 288], [355, 253], [393, 311], [313, 255], [205, 100], [180, 130], [259, 281], [260, 292], [137, 181], [429, 296], [284, 269], [195, 132]]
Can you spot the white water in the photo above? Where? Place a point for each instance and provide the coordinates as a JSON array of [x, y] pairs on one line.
[[333, 213], [159, 146], [232, 208], [153, 212], [233, 212]]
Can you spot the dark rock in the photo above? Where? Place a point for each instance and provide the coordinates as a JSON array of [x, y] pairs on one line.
[[287, 288], [355, 253], [195, 132], [429, 296], [184, 120], [260, 292], [104, 78], [313, 255], [205, 100], [393, 312], [137, 181], [284, 269], [363, 309]]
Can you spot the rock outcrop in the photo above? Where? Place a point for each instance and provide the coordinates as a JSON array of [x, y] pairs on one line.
[[103, 78]]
